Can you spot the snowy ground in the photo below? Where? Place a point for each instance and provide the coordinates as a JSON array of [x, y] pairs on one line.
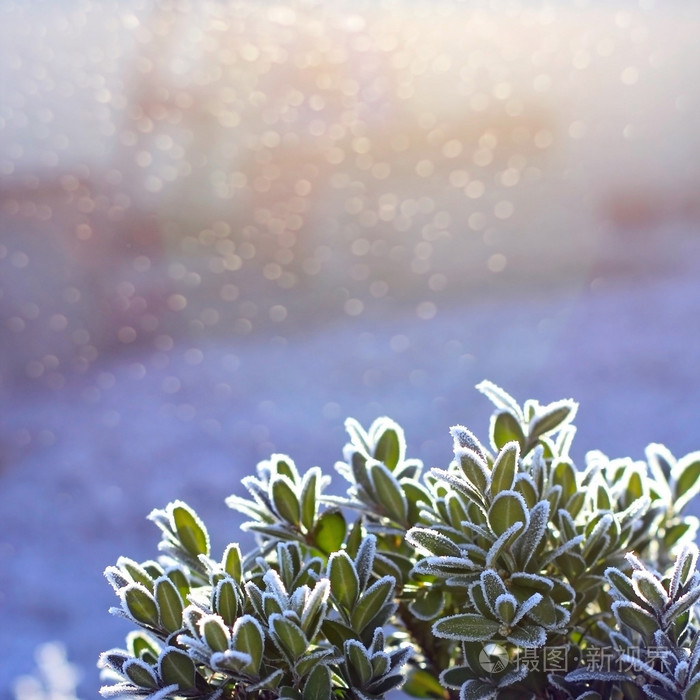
[[83, 466]]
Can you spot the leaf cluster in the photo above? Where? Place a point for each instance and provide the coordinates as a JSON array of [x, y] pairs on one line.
[[452, 582]]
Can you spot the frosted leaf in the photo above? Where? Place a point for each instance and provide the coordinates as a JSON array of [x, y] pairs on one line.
[[464, 438], [115, 577], [365, 558], [526, 606], [399, 658], [492, 586], [527, 543], [640, 666], [586, 674]]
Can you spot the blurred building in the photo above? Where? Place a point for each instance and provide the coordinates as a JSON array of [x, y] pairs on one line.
[[174, 167]]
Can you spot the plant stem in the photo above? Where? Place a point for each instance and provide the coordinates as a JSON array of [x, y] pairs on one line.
[[423, 639]]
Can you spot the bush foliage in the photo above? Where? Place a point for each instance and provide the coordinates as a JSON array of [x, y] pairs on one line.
[[511, 573]]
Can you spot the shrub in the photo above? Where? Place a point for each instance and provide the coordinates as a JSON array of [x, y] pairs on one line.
[[509, 574]]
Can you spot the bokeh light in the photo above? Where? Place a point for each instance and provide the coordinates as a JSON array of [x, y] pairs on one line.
[[226, 225]]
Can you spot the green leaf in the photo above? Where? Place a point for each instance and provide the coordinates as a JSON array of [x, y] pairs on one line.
[[681, 605], [285, 500], [460, 484], [521, 581], [603, 498], [354, 539], [176, 667], [433, 542], [329, 531], [214, 632], [270, 682], [284, 466], [388, 491], [390, 446], [385, 566], [338, 633], [550, 418], [231, 562], [169, 604], [564, 474], [358, 468], [598, 537], [446, 567], [687, 480], [506, 605], [675, 533], [544, 612], [526, 488], [318, 684], [621, 583], [400, 562], [554, 496], [226, 601], [306, 664], [229, 660], [142, 646], [692, 690], [635, 487], [140, 673], [493, 586], [683, 567], [381, 663], [474, 468], [190, 529], [456, 676], [530, 539], [507, 508], [572, 564], [479, 602], [345, 583], [288, 637], [315, 608], [358, 662], [140, 604], [271, 604], [463, 438], [500, 398], [501, 545], [427, 603], [575, 503], [527, 636], [177, 576], [289, 559], [248, 637], [468, 627], [505, 428], [651, 590], [505, 468], [114, 659], [417, 496], [136, 572], [309, 497], [364, 559], [358, 436], [421, 684], [634, 616], [371, 602]]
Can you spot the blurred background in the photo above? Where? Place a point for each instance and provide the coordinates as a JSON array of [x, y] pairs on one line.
[[227, 225]]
